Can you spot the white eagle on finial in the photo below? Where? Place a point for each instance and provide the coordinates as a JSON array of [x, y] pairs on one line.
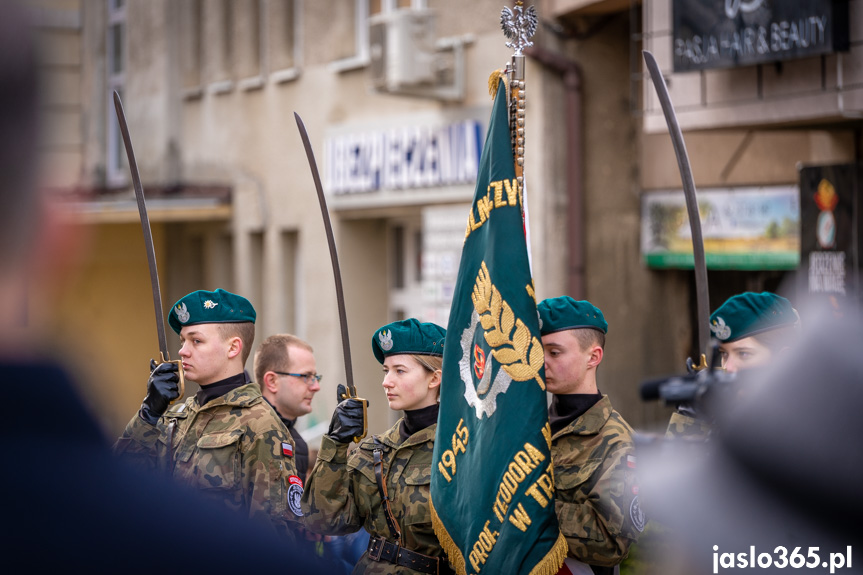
[[519, 26]]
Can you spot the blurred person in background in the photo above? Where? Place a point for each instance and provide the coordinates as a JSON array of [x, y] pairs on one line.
[[285, 369], [753, 331], [777, 487]]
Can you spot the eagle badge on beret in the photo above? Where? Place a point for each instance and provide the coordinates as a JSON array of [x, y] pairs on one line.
[[386, 338], [720, 328], [182, 313]]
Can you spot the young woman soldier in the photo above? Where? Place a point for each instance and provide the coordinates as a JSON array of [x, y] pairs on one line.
[[383, 485]]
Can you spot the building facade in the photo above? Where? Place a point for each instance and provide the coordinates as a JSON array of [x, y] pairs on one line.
[[394, 96]]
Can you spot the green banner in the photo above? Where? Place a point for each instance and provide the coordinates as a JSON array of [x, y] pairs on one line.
[[492, 487]]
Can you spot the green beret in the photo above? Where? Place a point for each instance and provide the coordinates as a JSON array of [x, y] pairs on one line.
[[562, 313], [218, 306], [408, 336], [751, 313]]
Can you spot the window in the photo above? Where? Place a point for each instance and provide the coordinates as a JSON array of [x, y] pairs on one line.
[[245, 34], [350, 25], [218, 49], [382, 6], [354, 52], [115, 44], [191, 46], [284, 46]]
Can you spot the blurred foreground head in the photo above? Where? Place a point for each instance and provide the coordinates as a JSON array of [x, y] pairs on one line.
[[19, 101], [784, 470], [37, 247]]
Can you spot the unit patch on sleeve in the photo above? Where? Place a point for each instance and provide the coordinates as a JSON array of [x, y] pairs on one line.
[[295, 494]]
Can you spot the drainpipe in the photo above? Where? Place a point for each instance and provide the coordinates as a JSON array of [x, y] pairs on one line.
[[571, 75]]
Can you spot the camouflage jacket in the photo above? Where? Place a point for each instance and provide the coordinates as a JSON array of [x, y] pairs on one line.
[[230, 448], [595, 486], [684, 426], [342, 494]]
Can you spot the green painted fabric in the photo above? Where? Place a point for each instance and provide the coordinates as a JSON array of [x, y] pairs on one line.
[[408, 336], [230, 449], [492, 488], [342, 494], [218, 306], [596, 488]]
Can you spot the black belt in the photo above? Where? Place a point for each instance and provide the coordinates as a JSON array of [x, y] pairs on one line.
[[382, 550]]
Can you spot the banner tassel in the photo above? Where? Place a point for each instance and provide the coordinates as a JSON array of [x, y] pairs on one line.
[[456, 559]]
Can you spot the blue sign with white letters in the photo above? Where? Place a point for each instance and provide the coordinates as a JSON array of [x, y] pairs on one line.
[[402, 158]]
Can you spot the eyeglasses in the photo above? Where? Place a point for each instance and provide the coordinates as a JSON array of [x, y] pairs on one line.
[[308, 378]]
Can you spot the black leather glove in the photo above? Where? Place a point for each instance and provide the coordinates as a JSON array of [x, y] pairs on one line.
[[348, 419], [162, 388]]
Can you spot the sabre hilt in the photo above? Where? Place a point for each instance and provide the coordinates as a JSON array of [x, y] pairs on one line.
[[351, 393], [181, 385], [692, 367]]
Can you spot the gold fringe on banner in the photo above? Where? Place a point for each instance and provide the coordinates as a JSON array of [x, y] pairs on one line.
[[549, 565], [552, 562], [456, 559]]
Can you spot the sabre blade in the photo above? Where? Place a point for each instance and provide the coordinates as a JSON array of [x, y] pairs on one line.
[[145, 228], [701, 291], [164, 356], [334, 257]]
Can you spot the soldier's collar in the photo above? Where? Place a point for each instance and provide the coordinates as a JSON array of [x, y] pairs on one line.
[[393, 439], [242, 396], [590, 421]]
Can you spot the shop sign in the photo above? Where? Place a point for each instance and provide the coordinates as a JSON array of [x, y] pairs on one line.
[[402, 158], [830, 231], [743, 228], [731, 33]]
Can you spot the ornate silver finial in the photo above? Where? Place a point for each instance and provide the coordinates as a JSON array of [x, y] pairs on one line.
[[519, 26]]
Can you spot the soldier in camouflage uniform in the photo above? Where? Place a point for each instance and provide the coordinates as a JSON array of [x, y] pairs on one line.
[[753, 330], [596, 490], [225, 440], [391, 499]]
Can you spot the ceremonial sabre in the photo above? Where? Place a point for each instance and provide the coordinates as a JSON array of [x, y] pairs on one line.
[[164, 356], [701, 292], [351, 391]]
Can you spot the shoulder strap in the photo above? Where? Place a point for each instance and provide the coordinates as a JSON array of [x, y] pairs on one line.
[[382, 489]]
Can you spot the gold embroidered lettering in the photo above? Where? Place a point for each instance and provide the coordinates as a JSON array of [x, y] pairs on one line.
[[511, 191], [477, 556], [516, 471], [520, 518], [524, 462], [534, 453], [484, 207], [546, 432], [534, 492], [498, 194]]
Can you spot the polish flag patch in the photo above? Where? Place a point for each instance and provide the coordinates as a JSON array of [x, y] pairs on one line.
[[630, 461], [287, 449]]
